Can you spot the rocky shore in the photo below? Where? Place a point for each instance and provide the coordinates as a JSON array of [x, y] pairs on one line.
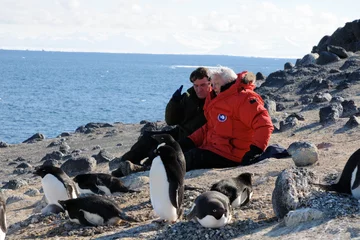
[[314, 103]]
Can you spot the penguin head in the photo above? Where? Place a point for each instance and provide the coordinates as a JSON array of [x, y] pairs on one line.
[[43, 170], [245, 178], [216, 209], [164, 138], [165, 152], [63, 204]]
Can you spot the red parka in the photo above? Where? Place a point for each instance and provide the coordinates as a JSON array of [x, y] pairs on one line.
[[236, 118]]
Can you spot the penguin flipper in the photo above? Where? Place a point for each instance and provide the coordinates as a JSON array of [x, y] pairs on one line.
[[174, 194], [2, 215], [245, 197]]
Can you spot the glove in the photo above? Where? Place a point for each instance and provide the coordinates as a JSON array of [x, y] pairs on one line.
[[177, 94], [252, 155], [186, 144]]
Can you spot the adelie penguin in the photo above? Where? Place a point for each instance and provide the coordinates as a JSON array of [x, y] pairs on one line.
[[349, 181], [99, 183], [3, 226], [238, 189], [211, 209], [167, 175], [94, 210], [57, 185]]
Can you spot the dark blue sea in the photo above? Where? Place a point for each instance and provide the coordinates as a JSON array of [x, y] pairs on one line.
[[55, 92]]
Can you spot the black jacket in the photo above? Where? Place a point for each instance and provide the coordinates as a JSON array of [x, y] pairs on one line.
[[187, 114]]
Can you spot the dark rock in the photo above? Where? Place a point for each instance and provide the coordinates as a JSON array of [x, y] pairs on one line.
[[20, 159], [334, 71], [24, 165], [347, 37], [289, 123], [51, 162], [143, 121], [329, 114], [298, 116], [339, 51], [350, 63], [322, 97], [337, 99], [288, 65], [3, 145], [64, 134], [353, 122], [270, 106], [343, 85], [15, 184], [55, 155], [349, 108], [79, 165], [103, 156], [305, 99], [355, 76], [280, 107], [34, 138], [260, 76], [327, 57]]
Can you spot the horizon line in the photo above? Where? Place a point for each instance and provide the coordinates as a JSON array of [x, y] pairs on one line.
[[197, 54]]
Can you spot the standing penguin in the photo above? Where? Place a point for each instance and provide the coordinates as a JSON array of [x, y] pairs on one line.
[[94, 210], [3, 226], [211, 209], [99, 183], [57, 185], [238, 189], [167, 175], [349, 181]]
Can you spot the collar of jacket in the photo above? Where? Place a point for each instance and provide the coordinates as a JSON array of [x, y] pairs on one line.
[[192, 94], [234, 86]]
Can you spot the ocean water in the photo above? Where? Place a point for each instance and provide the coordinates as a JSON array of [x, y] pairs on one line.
[[55, 92]]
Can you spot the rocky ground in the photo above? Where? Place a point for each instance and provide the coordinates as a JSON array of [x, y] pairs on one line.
[[257, 220]]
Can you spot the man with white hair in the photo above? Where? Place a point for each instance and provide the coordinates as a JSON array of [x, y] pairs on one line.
[[238, 126]]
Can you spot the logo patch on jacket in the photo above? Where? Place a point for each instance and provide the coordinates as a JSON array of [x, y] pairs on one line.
[[253, 100], [222, 117]]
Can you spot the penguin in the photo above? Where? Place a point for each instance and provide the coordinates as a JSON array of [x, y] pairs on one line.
[[94, 210], [99, 183], [57, 185], [238, 189], [167, 175], [3, 225], [211, 209], [349, 181], [167, 139]]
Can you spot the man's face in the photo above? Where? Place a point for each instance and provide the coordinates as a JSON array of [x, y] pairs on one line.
[[202, 87]]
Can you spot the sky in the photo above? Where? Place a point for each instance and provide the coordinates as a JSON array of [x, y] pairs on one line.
[[270, 28]]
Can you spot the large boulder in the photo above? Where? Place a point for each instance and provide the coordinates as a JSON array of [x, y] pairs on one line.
[[347, 37]]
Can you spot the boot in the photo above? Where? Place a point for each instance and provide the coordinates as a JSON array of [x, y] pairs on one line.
[[125, 168]]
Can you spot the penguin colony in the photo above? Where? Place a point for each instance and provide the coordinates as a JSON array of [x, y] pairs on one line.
[[81, 197]]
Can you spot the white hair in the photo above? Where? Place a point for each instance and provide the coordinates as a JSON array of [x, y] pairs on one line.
[[225, 73]]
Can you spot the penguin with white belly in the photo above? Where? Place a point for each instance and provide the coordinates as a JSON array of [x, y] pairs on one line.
[[57, 185], [3, 226], [99, 183], [167, 175], [211, 209], [238, 189], [94, 210], [349, 181]]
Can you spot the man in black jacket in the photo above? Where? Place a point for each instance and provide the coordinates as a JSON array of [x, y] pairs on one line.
[[185, 110]]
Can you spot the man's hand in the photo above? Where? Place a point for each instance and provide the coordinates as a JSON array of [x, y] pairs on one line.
[[177, 94], [252, 155]]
